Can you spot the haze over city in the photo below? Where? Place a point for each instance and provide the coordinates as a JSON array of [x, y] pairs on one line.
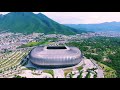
[[81, 17]]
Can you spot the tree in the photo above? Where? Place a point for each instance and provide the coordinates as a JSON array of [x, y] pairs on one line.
[[80, 74], [0, 71], [71, 75], [88, 75], [95, 75]]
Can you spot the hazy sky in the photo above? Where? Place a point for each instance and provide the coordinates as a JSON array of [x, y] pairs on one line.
[[81, 17]]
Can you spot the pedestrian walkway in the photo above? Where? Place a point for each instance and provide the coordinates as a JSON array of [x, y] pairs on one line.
[[59, 73]]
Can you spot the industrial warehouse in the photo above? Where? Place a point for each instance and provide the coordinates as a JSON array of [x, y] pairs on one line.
[[55, 56]]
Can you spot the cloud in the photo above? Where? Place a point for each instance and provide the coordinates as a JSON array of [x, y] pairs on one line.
[[81, 17], [4, 13]]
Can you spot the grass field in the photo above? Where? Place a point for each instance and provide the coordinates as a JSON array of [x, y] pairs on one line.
[[108, 72], [49, 71], [66, 71]]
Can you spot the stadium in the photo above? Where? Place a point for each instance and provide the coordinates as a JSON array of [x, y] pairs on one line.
[[55, 56]]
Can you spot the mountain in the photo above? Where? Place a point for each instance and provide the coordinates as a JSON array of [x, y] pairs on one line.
[[101, 27], [79, 27], [28, 22]]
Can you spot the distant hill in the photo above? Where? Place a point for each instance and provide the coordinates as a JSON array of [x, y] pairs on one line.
[[79, 27], [28, 22], [102, 27]]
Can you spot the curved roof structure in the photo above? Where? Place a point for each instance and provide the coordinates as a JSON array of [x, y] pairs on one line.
[[55, 56]]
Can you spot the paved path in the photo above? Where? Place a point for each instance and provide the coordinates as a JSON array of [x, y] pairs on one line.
[[100, 71], [92, 64], [59, 73]]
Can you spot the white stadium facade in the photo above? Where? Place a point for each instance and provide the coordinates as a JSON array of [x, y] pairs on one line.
[[55, 56]]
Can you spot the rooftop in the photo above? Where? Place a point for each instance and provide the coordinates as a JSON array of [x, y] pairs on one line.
[[56, 47]]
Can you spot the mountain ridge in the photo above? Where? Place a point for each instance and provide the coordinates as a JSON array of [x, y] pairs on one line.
[[99, 27], [28, 22]]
